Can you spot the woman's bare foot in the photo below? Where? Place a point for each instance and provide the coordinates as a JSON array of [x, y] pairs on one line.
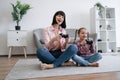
[[46, 66], [69, 63], [94, 64]]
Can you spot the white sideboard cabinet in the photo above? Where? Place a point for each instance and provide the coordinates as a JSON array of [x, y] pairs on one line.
[[105, 27], [17, 38]]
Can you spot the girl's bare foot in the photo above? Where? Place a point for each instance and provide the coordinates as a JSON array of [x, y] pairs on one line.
[[94, 64], [46, 66]]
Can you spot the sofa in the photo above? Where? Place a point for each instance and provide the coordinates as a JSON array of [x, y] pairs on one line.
[[39, 41]]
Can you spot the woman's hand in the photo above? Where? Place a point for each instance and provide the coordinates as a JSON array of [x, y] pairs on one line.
[[56, 45], [67, 40], [56, 38], [55, 42]]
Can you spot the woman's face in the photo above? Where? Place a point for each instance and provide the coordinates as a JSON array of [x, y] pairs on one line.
[[59, 19], [83, 34]]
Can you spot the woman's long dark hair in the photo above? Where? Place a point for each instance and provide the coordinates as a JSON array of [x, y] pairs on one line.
[[63, 25]]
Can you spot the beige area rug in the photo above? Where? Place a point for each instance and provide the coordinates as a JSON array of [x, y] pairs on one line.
[[30, 68]]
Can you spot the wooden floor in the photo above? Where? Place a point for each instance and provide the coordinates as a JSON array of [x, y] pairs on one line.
[[7, 64]]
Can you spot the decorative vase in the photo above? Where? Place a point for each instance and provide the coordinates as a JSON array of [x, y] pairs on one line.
[[17, 27]]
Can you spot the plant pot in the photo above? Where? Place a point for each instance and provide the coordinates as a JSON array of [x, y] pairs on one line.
[[17, 27]]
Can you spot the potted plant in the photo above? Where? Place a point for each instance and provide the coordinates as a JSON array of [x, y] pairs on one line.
[[18, 11], [100, 8]]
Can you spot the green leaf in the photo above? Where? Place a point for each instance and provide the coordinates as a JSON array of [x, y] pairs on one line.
[[19, 10]]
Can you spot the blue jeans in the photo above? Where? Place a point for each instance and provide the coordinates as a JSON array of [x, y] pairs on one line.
[[87, 59], [46, 57]]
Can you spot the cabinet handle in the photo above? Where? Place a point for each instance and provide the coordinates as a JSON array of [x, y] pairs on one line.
[[17, 32]]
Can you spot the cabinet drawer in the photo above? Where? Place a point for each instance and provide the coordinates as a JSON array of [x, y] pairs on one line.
[[17, 34], [17, 38], [17, 42]]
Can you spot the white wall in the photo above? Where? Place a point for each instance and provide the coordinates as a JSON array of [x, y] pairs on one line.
[[41, 14]]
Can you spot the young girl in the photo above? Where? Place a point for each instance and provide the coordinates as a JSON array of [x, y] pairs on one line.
[[86, 55], [55, 53]]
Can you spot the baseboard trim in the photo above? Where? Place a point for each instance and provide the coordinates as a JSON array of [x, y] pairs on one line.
[[18, 55]]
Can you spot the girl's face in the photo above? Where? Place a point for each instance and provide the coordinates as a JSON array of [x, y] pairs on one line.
[[59, 19], [83, 34]]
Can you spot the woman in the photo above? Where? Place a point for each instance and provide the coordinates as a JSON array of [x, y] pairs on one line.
[[55, 53], [86, 55]]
